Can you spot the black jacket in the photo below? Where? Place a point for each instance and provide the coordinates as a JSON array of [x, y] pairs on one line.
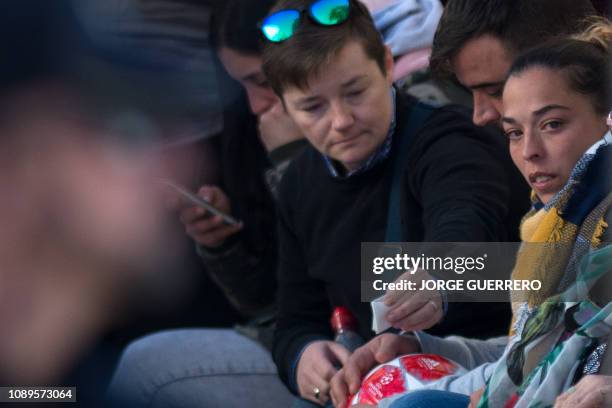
[[458, 185]]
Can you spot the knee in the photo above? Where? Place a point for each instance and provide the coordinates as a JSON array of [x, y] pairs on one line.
[[140, 355], [144, 366], [141, 362]]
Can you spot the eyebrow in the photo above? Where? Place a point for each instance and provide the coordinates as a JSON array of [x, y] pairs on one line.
[[486, 85], [547, 108], [251, 77], [346, 84], [352, 81], [306, 101], [537, 113]]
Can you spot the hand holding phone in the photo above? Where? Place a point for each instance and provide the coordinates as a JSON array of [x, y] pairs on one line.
[[198, 201], [206, 218]]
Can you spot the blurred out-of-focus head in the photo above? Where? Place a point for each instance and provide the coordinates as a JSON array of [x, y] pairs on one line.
[[82, 213]]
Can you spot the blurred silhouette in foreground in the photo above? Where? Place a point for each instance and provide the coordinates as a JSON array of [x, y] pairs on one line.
[[82, 217]]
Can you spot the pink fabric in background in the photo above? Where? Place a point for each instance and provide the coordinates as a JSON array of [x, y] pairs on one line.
[[376, 5], [411, 62]]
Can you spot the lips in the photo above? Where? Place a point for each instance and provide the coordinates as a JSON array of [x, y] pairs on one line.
[[542, 181], [346, 140]]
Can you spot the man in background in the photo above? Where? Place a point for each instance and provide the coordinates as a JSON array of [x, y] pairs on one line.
[[476, 42]]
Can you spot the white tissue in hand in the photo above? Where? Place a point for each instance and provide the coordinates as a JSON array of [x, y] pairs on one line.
[[379, 315]]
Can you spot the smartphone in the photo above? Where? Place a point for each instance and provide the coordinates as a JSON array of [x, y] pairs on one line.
[[198, 201]]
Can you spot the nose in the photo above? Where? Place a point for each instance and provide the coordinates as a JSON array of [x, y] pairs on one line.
[[260, 99], [532, 147], [342, 117], [485, 110]]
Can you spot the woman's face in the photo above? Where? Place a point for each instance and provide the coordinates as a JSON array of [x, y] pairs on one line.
[[345, 112], [246, 69], [549, 127]]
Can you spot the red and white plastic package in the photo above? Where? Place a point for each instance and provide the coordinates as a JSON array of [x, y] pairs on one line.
[[403, 374]]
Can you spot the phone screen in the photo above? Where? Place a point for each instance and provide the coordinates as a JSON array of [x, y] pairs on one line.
[[198, 201]]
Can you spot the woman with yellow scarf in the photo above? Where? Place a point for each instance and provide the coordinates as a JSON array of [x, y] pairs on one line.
[[555, 104]]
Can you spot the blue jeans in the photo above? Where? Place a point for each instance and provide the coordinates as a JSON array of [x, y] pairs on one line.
[[197, 368], [304, 403], [431, 398]]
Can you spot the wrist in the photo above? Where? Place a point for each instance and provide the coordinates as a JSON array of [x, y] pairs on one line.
[[225, 248]]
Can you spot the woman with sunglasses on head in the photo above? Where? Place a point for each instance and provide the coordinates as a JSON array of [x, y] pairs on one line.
[[555, 104], [226, 367], [328, 64]]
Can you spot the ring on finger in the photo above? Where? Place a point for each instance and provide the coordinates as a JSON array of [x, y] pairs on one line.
[[317, 392]]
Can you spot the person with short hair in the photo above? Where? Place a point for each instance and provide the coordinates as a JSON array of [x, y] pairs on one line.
[[332, 72], [476, 42]]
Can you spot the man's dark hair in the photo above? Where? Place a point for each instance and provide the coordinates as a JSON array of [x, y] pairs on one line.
[[518, 24], [294, 61], [234, 25]]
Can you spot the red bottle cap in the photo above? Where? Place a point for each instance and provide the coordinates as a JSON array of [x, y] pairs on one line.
[[342, 319]]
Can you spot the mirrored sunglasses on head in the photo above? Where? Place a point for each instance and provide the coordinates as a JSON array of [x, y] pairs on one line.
[[281, 25]]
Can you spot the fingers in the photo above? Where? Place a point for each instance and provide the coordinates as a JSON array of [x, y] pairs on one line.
[[209, 225], [316, 368], [422, 311], [406, 306], [426, 315], [594, 399], [276, 127], [206, 229], [392, 345], [213, 195], [592, 391], [339, 389], [326, 371], [315, 389], [414, 310], [341, 354], [212, 233], [379, 350], [357, 366], [191, 214], [324, 388]]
